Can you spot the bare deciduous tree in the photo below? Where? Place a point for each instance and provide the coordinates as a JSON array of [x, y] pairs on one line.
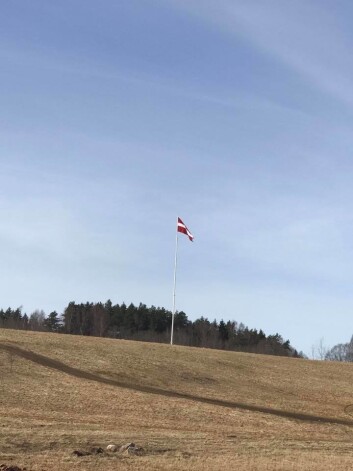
[[36, 320]]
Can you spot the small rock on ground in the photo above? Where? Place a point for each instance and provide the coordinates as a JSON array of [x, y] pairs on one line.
[[126, 447], [112, 448]]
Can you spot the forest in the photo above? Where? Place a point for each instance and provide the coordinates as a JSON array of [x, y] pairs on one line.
[[149, 324]]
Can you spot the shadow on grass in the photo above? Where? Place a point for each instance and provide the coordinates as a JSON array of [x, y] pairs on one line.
[[77, 373]]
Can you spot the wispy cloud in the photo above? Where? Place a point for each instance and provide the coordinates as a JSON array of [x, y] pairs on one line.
[[304, 36]]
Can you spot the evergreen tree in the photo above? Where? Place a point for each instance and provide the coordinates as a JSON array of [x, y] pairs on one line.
[[52, 322]]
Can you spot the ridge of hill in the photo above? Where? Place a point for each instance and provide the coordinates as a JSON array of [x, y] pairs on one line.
[[189, 408], [149, 324]]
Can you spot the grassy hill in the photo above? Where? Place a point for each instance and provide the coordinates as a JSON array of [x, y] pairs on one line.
[[188, 408]]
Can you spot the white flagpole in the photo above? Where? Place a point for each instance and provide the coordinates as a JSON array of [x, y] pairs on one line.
[[175, 269]]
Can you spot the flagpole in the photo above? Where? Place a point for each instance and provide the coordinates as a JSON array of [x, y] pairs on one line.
[[175, 269]]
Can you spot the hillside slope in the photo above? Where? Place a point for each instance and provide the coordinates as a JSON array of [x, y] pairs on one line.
[[188, 408]]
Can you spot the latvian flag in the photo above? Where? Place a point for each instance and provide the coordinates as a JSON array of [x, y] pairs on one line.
[[182, 228]]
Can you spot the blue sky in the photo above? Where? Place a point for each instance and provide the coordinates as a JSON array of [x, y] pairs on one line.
[[234, 115]]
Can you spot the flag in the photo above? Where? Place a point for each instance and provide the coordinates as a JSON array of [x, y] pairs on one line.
[[182, 228]]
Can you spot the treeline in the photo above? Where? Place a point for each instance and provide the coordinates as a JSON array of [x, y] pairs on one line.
[[340, 352], [151, 324]]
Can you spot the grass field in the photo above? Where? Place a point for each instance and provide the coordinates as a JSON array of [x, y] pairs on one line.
[[190, 409]]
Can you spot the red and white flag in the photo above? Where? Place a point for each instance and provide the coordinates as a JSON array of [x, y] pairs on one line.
[[182, 228]]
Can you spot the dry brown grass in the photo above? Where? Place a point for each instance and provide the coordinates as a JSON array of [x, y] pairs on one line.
[[188, 408]]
